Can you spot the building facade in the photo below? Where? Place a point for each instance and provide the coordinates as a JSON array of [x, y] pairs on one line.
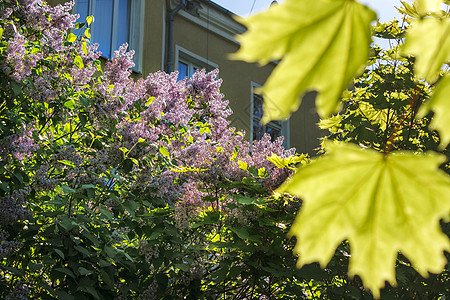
[[186, 35]]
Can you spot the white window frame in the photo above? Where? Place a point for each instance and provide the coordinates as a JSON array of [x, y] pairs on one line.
[[136, 29], [192, 60], [285, 128]]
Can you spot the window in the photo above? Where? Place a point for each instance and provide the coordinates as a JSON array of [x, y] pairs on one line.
[[187, 63], [115, 22], [274, 128], [186, 69]]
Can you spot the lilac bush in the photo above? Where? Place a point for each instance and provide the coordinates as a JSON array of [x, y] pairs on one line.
[[116, 187]]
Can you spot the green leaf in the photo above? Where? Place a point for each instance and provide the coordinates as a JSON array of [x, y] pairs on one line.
[[87, 34], [287, 162], [65, 271], [243, 165], [70, 104], [110, 251], [163, 150], [16, 271], [102, 263], [60, 253], [323, 45], [127, 165], [182, 267], [84, 48], [16, 87], [429, 40], [65, 188], [89, 19], [1, 32], [83, 271], [440, 104], [381, 204], [83, 251], [71, 37], [245, 200], [150, 100], [70, 164], [107, 279], [5, 187], [426, 6], [66, 223], [106, 212], [243, 234], [78, 61]]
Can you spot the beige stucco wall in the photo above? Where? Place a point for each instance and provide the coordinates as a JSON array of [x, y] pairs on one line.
[[154, 31]]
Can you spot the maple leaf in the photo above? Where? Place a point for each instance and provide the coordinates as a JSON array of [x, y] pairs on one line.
[[323, 43], [429, 40], [424, 7], [381, 204], [440, 104]]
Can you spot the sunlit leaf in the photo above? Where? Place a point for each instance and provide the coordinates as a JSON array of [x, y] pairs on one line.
[[243, 165], [426, 6], [89, 19], [323, 44], [71, 37], [87, 33], [429, 40], [440, 104], [78, 61], [84, 48], [163, 150], [381, 204], [182, 169], [287, 162]]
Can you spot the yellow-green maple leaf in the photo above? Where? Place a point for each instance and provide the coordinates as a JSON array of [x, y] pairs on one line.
[[429, 40], [381, 204], [440, 104], [426, 6], [323, 44]]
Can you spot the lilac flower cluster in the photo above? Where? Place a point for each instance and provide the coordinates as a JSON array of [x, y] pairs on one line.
[[51, 21], [18, 145], [149, 252], [12, 207], [149, 293], [7, 247], [20, 292], [189, 119], [196, 271], [43, 181], [33, 25]]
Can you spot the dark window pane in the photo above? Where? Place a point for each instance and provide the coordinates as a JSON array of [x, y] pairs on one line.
[[182, 70], [103, 25], [273, 131], [123, 20], [257, 106], [258, 130]]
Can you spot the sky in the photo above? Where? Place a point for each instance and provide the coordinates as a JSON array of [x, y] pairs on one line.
[[384, 8]]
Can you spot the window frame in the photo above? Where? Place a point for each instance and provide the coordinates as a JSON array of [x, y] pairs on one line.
[[192, 60], [284, 125]]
